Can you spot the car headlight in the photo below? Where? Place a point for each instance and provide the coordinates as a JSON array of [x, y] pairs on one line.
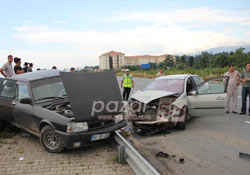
[[118, 118], [77, 126], [135, 106]]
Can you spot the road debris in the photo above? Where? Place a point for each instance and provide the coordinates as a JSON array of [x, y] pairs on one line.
[[146, 130], [181, 160], [244, 156], [162, 154], [125, 132], [173, 155]]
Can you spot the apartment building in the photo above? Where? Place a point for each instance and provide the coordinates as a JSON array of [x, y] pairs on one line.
[[115, 60]]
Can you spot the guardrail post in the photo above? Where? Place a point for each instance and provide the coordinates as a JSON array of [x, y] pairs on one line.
[[121, 154]]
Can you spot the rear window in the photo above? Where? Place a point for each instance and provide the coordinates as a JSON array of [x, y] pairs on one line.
[[7, 88]]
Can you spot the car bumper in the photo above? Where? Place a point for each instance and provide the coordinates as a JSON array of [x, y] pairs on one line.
[[74, 140]]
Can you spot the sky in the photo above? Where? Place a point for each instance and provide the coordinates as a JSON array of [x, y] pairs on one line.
[[75, 33]]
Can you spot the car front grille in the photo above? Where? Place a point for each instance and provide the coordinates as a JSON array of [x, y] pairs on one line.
[[97, 124]]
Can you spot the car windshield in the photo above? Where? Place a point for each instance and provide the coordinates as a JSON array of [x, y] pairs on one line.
[[48, 89], [170, 85]]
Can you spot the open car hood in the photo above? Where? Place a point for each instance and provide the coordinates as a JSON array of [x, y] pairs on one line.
[[150, 95], [84, 89]]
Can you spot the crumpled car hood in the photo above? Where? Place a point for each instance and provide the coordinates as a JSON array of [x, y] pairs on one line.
[[150, 95]]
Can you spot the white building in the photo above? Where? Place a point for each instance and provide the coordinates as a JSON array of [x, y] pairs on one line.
[[111, 60], [115, 60]]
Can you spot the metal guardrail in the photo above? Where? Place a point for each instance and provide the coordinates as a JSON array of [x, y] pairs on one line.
[[129, 154]]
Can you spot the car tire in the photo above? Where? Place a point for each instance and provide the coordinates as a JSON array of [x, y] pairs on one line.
[[50, 140], [182, 125]]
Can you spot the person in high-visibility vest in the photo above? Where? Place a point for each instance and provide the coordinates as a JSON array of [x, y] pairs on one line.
[[127, 83]]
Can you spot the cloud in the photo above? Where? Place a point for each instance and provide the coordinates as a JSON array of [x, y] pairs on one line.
[[164, 34], [202, 15], [246, 23], [61, 22], [28, 28], [140, 40]]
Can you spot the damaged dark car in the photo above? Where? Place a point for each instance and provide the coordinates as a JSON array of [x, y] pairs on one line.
[[58, 107]]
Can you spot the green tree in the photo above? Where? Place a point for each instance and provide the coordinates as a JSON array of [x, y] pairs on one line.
[[203, 60], [191, 61]]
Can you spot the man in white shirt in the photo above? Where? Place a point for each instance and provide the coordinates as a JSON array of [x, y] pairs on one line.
[[7, 69], [232, 89]]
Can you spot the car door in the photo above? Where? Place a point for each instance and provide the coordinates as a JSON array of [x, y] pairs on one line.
[[208, 99], [7, 91], [23, 113]]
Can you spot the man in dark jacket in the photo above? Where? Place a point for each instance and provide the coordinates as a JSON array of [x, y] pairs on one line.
[[18, 69], [245, 79], [30, 67], [25, 68]]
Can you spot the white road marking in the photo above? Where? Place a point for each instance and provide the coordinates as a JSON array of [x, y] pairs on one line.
[[247, 122]]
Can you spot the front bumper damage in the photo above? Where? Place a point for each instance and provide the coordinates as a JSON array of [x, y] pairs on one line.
[[73, 140], [167, 114]]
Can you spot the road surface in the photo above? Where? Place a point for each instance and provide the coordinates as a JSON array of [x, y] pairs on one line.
[[209, 145]]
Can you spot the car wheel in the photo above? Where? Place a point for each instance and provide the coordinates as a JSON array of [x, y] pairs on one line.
[[50, 140], [182, 125]]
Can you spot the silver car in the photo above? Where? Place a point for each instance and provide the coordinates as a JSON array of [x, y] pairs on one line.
[[169, 101]]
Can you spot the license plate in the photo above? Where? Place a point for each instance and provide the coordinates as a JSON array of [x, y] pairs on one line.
[[100, 136]]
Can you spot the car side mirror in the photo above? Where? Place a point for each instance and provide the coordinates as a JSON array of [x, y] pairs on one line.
[[26, 101], [193, 93]]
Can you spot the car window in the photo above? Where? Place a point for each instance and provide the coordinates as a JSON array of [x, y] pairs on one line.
[[212, 86], [7, 88], [22, 92], [197, 80]]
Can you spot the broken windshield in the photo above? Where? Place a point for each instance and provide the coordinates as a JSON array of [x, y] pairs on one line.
[[169, 85]]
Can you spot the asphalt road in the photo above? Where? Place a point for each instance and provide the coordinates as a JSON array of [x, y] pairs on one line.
[[209, 145]]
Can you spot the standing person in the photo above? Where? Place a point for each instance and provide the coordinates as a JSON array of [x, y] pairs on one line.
[[232, 89], [25, 68], [245, 78], [7, 69], [159, 74], [30, 67], [72, 69], [127, 83], [18, 69]]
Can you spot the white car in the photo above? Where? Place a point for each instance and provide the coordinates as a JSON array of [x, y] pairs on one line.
[[170, 101]]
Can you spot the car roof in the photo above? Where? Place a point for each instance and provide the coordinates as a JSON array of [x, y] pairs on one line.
[[31, 76], [178, 76]]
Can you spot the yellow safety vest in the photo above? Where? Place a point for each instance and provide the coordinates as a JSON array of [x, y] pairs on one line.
[[127, 81]]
